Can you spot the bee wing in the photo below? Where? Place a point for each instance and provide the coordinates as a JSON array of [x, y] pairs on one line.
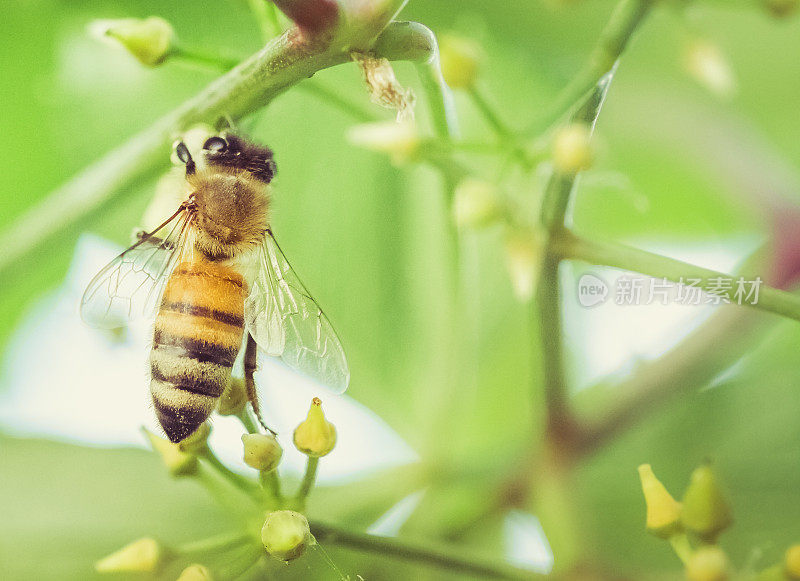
[[286, 322], [130, 286]]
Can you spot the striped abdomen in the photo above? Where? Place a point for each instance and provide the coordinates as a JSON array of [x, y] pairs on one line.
[[198, 333]]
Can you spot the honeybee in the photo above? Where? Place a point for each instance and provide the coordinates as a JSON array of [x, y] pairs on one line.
[[216, 280]]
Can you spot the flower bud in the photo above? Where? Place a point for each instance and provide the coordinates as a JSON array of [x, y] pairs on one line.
[[197, 441], [572, 149], [791, 562], [143, 556], [316, 436], [663, 511], [149, 40], [195, 573], [460, 60], [399, 139], [178, 462], [781, 8], [523, 256], [262, 451], [475, 204], [707, 564], [706, 512], [233, 399], [709, 66], [286, 535]]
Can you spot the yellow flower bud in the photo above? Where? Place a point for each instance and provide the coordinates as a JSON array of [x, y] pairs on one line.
[[572, 149], [781, 8], [262, 451], [195, 573], [707, 564], [460, 61], [149, 40], [523, 257], [663, 511], [399, 139], [706, 512], [178, 462], [709, 66], [196, 442], [143, 555], [316, 436], [233, 399], [791, 562], [286, 535], [475, 204]]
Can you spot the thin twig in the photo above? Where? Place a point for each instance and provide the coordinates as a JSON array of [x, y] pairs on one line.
[[625, 20], [390, 547], [547, 307], [283, 62], [769, 299]]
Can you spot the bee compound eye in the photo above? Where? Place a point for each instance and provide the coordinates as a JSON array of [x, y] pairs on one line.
[[215, 144], [182, 152]]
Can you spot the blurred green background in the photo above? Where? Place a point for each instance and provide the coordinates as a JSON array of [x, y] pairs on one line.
[[678, 163]]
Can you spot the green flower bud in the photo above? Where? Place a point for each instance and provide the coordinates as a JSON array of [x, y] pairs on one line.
[[196, 442], [706, 512], [572, 149], [663, 511], [316, 436], [781, 8], [149, 40], [178, 462], [707, 564], [143, 556], [286, 535], [195, 573], [233, 399], [791, 562], [262, 451], [476, 204], [460, 60]]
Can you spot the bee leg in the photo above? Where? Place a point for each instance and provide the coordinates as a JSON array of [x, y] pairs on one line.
[[250, 364]]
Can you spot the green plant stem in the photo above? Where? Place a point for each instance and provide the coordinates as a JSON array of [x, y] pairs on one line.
[[225, 493], [331, 97], [282, 63], [553, 217], [501, 129], [770, 299], [215, 543], [201, 59], [307, 483], [492, 117], [244, 484], [390, 547], [680, 544], [625, 20], [439, 97], [247, 421], [272, 484]]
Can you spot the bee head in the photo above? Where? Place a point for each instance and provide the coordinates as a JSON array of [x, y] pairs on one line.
[[230, 151]]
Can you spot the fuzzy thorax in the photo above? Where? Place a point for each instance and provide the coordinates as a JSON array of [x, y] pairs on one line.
[[231, 212]]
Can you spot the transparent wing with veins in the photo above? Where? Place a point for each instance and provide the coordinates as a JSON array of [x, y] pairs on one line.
[[131, 285], [286, 322]]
